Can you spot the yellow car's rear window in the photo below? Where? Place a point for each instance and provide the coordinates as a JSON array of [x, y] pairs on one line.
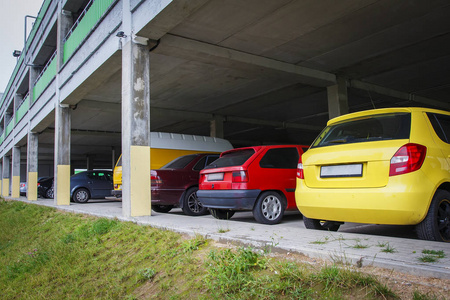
[[367, 129]]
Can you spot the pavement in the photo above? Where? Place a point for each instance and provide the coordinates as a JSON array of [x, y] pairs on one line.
[[354, 245]]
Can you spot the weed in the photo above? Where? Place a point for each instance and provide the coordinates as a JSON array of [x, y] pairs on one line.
[[420, 296], [229, 271], [321, 242], [382, 245], [147, 274], [439, 254], [193, 244], [388, 249], [340, 258], [222, 230], [358, 245], [428, 258], [431, 255], [335, 278]]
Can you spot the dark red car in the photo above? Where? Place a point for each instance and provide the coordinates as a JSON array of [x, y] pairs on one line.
[[176, 184], [260, 179]]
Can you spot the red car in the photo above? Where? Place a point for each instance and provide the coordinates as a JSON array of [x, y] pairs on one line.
[[176, 184], [260, 179]]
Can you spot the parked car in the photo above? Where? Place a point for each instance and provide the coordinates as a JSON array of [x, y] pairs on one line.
[[45, 187], [176, 184], [83, 186], [23, 188], [165, 147], [90, 185], [386, 166], [24, 185], [260, 179]]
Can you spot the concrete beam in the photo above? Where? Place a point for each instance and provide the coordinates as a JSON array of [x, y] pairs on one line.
[[199, 116], [194, 50], [397, 94], [166, 16]]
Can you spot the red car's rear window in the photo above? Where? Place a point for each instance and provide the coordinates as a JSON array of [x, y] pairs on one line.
[[231, 159]]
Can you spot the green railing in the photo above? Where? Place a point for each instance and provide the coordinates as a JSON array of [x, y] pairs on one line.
[[9, 128], [88, 19], [46, 76], [31, 36], [23, 108], [2, 137]]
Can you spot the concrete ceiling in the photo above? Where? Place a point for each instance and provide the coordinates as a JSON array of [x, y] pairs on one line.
[[264, 66]]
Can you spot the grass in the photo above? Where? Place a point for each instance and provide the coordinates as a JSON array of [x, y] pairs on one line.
[[431, 255], [49, 254], [388, 248], [358, 245]]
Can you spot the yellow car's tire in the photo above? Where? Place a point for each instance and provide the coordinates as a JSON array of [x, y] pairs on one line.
[[436, 225]]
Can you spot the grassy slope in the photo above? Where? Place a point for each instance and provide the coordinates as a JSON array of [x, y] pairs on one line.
[[45, 253]]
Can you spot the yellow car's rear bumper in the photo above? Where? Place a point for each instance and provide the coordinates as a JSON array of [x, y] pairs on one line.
[[403, 201]]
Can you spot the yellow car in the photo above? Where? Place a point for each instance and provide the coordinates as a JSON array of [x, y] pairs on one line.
[[381, 166]]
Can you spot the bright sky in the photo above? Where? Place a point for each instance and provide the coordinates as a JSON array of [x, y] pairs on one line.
[[12, 16]]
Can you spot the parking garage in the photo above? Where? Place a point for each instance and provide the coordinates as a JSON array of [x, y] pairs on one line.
[[95, 77]]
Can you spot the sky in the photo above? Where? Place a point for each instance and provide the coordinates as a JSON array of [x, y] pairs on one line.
[[12, 16]]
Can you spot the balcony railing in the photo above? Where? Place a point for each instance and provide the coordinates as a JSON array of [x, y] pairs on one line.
[[9, 127], [23, 108], [47, 74], [88, 19]]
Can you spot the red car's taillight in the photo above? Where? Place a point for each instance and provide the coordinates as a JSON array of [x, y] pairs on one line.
[[156, 181], [300, 174], [408, 158], [240, 176]]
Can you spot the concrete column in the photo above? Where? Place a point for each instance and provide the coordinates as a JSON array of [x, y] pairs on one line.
[[32, 165], [216, 127], [65, 22], [89, 162], [5, 176], [113, 154], [62, 118], [136, 199], [8, 117], [34, 73], [62, 154], [17, 101], [337, 99], [15, 187]]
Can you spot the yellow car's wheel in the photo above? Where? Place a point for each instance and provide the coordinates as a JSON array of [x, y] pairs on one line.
[[436, 225]]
